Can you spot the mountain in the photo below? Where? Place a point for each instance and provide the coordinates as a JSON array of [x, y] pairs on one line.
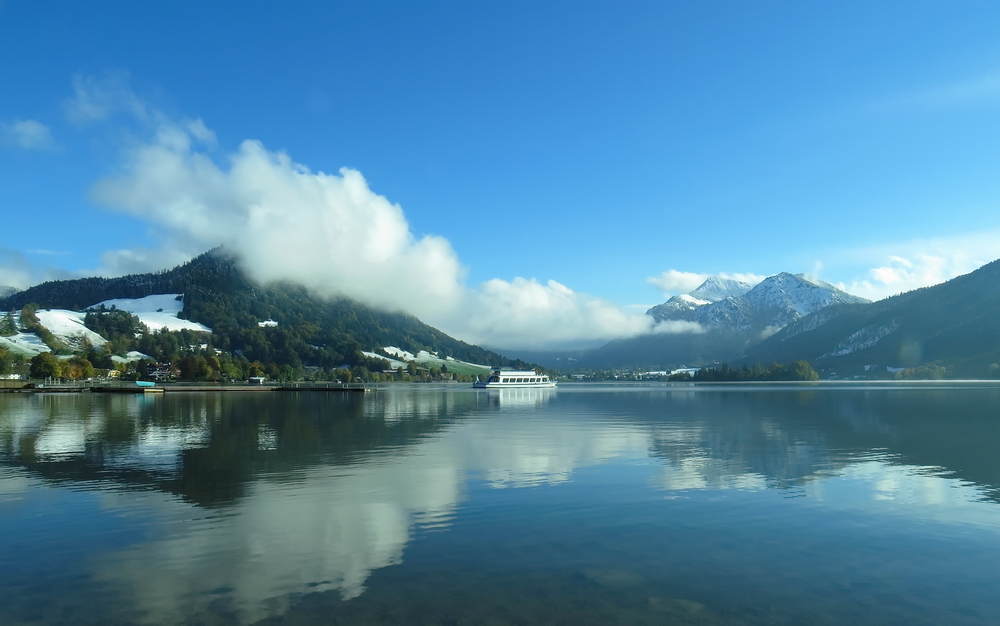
[[956, 323], [733, 316], [281, 324], [682, 307], [732, 305], [6, 292]]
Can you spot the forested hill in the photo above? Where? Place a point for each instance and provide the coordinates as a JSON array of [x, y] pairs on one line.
[[955, 324], [310, 331]]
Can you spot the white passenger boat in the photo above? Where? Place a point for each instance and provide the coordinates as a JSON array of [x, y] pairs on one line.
[[506, 379]]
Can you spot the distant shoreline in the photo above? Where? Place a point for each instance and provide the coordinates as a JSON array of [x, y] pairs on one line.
[[183, 388], [173, 388]]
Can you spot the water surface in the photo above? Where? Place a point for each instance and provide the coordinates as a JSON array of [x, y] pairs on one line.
[[444, 505]]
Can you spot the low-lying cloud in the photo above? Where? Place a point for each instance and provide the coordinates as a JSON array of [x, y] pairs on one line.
[[518, 313], [331, 233]]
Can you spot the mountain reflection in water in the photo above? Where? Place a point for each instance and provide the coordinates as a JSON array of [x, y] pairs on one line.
[[246, 507]]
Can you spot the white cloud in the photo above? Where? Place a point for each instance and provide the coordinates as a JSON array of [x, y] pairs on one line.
[[336, 236], [525, 313], [97, 99], [141, 260], [329, 232], [17, 271], [28, 134], [904, 266], [673, 282]]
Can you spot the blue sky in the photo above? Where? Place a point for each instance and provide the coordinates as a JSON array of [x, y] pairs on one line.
[[623, 150]]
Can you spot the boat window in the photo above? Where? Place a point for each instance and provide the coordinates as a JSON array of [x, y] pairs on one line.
[[520, 380], [505, 380], [534, 380]]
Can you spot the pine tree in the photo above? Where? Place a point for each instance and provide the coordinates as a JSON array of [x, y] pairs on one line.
[[8, 326]]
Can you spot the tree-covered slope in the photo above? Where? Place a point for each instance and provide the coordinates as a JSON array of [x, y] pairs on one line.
[[956, 323], [218, 294]]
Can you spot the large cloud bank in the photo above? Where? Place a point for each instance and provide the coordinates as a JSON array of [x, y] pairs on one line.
[[327, 231], [336, 236]]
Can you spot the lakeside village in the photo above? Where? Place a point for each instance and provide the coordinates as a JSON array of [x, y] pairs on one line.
[[102, 345]]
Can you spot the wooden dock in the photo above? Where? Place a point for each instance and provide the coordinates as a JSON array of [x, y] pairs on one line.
[[341, 387], [132, 388], [126, 389]]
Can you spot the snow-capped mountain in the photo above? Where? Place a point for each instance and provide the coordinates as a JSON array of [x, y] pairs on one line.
[[732, 305], [715, 289], [682, 307], [953, 324]]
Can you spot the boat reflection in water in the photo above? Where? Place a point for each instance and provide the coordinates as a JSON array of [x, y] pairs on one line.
[[521, 397]]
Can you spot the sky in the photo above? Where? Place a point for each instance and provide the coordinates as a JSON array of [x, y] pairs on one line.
[[518, 174]]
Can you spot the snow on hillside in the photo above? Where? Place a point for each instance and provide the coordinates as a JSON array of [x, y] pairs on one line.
[[393, 363], [156, 311], [715, 289], [685, 306], [400, 353], [796, 292], [693, 300], [131, 356], [25, 344], [68, 327], [429, 359]]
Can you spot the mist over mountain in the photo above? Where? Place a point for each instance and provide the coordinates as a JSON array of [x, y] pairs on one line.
[[733, 315], [308, 330]]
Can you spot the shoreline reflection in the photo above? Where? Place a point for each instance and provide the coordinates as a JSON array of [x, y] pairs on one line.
[[256, 500]]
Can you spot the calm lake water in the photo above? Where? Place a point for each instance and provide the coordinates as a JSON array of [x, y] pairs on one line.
[[637, 504]]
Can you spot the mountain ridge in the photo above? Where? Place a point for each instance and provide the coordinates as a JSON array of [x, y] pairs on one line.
[[733, 315], [310, 331], [955, 322]]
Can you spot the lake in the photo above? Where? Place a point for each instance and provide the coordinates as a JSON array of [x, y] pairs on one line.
[[587, 504]]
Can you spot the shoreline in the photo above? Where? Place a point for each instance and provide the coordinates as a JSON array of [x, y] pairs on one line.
[[182, 388]]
